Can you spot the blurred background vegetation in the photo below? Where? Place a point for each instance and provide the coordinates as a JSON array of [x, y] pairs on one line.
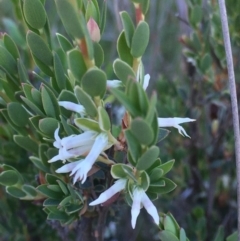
[[186, 61]]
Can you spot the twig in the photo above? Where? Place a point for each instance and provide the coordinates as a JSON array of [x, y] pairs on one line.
[[232, 87]]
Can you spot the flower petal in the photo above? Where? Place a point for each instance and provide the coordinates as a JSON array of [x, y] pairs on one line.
[[151, 209], [68, 167], [174, 122], [136, 205], [62, 155], [115, 188], [100, 143], [146, 81], [72, 107], [79, 140], [57, 142], [81, 170], [114, 83]]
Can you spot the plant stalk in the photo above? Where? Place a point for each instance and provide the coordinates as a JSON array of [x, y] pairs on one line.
[[232, 88]]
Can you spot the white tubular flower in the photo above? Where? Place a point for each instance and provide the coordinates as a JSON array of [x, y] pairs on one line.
[[73, 146], [118, 186], [174, 122], [114, 83], [141, 198], [81, 168], [146, 81], [73, 107]]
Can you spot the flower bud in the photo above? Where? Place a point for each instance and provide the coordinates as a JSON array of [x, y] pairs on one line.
[[94, 30]]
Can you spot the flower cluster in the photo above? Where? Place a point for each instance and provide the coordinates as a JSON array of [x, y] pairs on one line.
[[89, 145]]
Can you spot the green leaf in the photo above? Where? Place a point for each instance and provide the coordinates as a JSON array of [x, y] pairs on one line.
[[148, 158], [12, 28], [117, 170], [10, 46], [88, 40], [50, 103], [55, 188], [49, 193], [98, 54], [39, 48], [51, 179], [7, 62], [142, 99], [87, 124], [103, 17], [183, 236], [220, 234], [132, 93], [104, 121], [133, 145], [35, 13], [39, 164], [206, 62], [42, 150], [170, 225], [70, 18], [130, 159], [128, 27], [27, 89], [169, 186], [151, 111], [61, 216], [124, 50], [48, 126], [123, 71], [196, 15], [73, 208], [233, 237], [30, 190], [37, 98], [59, 72], [145, 181], [155, 127], [9, 178], [124, 99], [64, 43], [21, 131], [85, 100], [167, 166], [129, 171], [66, 95], [45, 68], [17, 114], [63, 187], [67, 127], [26, 143], [76, 64], [156, 173], [22, 72], [167, 236], [65, 201], [94, 82], [51, 202], [32, 106], [15, 192], [140, 39], [142, 131], [91, 12]]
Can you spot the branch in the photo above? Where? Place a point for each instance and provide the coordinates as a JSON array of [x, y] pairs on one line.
[[232, 87]]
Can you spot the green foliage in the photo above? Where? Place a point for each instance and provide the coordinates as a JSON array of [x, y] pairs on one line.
[[38, 73]]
